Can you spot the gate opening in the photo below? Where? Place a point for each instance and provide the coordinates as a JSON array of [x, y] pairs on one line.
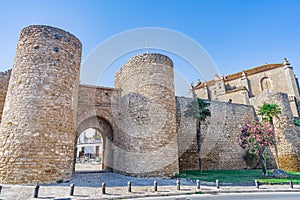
[[89, 153]]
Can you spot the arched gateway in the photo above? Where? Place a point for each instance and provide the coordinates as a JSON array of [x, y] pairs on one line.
[[140, 119], [46, 108], [95, 111], [106, 132]]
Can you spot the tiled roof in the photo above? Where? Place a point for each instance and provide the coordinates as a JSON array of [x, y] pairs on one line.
[[248, 72]]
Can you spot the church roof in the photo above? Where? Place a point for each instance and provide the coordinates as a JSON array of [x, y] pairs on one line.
[[237, 75]]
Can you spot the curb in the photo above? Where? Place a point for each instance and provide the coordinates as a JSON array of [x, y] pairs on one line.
[[140, 192], [252, 191], [204, 192]]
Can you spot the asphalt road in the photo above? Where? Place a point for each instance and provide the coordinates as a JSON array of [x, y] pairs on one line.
[[233, 196]]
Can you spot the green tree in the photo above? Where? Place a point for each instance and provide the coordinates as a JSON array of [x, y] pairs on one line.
[[268, 111], [198, 109]]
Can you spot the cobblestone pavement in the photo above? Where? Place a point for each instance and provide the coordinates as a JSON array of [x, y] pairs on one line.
[[88, 186], [91, 166]]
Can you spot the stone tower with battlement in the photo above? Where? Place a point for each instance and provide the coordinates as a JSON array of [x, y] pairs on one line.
[[146, 117], [38, 126]]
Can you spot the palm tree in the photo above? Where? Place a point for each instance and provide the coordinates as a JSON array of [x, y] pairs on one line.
[[199, 110], [268, 112]]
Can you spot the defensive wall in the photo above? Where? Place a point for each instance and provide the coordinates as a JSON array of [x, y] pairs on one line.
[[287, 134], [220, 133], [219, 136], [142, 122]]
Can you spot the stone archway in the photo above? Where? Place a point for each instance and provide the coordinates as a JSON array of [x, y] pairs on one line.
[[107, 133], [89, 151]]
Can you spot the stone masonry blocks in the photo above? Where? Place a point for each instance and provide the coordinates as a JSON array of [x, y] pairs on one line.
[[286, 133], [219, 136], [4, 80], [145, 132], [147, 138], [38, 125]]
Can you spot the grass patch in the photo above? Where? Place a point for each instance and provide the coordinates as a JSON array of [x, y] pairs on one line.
[[237, 176], [294, 176]]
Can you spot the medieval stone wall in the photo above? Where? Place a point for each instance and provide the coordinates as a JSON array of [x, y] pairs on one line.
[[287, 135], [147, 138], [4, 80], [96, 101], [220, 148], [95, 111], [38, 126], [143, 124]]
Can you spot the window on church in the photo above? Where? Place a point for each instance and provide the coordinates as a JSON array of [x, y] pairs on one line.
[[265, 84]]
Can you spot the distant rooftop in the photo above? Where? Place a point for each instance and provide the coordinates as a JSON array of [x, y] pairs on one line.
[[237, 75]]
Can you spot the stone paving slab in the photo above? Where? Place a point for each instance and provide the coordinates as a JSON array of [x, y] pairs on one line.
[[18, 192], [88, 186]]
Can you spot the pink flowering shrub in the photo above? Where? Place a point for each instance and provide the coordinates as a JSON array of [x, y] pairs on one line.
[[255, 137]]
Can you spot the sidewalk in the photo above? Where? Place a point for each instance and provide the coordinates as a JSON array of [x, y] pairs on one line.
[[17, 192]]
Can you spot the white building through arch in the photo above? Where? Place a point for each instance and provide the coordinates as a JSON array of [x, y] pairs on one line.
[[89, 149]]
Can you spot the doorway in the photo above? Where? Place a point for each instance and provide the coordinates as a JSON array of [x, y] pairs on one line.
[[89, 153]]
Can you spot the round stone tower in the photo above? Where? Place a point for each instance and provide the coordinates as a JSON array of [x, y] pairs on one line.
[[147, 139], [38, 129]]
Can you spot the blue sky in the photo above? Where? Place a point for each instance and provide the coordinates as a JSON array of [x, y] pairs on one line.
[[237, 34]]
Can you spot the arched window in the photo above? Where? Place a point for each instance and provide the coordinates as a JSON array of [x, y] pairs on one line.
[[265, 84]]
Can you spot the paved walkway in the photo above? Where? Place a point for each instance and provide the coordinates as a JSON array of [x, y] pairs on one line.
[[88, 186]]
